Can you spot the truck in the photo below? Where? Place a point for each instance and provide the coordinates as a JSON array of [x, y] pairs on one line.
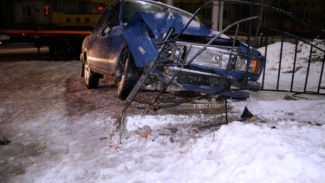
[[59, 24]]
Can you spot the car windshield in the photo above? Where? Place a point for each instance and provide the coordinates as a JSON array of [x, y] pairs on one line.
[[131, 7]]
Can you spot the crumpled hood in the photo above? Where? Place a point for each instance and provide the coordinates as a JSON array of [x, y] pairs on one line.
[[144, 48], [159, 23]]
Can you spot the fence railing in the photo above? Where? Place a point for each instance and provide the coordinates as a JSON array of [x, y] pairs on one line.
[[293, 63], [298, 65]]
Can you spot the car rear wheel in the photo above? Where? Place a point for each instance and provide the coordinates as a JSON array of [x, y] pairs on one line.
[[91, 78], [127, 74]]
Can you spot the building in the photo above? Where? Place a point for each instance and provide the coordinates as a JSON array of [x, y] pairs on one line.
[[309, 12]]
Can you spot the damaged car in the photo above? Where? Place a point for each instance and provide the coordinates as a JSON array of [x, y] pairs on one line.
[[131, 35]]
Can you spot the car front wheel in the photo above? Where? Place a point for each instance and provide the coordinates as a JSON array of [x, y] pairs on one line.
[[127, 74], [91, 78]]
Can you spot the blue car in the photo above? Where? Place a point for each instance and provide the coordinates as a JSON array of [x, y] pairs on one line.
[[131, 34]]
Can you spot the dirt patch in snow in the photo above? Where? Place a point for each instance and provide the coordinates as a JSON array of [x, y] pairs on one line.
[[80, 100], [16, 157]]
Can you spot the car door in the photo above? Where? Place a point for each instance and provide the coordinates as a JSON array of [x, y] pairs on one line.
[[106, 40]]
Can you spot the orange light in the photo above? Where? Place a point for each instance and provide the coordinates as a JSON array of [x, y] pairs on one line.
[[46, 10], [256, 66]]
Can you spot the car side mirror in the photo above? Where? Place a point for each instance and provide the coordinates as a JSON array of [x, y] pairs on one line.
[[106, 30]]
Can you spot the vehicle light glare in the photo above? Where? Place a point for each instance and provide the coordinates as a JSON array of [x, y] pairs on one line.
[[253, 67], [100, 8], [166, 70]]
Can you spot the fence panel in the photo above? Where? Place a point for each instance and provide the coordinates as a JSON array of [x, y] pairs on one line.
[[293, 63]]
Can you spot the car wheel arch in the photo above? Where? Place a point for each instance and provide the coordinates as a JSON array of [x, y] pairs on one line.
[[91, 78], [83, 60], [126, 81]]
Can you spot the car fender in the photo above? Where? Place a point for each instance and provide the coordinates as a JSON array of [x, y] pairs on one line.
[[142, 47]]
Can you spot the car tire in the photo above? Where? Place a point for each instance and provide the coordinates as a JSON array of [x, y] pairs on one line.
[[127, 74], [91, 78]]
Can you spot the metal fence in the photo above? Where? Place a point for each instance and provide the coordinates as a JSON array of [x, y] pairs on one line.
[[300, 66], [293, 63]]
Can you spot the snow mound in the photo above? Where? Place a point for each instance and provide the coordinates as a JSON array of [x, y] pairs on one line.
[[281, 152]]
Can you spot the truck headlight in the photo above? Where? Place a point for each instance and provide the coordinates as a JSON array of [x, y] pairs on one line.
[[253, 67]]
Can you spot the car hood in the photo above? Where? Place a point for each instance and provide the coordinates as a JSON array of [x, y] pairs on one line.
[[144, 48]]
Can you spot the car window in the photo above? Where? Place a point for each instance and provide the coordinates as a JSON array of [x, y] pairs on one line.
[[131, 7], [101, 19], [109, 16], [114, 14]]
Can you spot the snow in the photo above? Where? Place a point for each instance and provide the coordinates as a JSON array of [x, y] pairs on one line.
[[288, 58], [61, 132]]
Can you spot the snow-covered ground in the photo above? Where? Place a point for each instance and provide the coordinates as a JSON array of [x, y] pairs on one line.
[[60, 132]]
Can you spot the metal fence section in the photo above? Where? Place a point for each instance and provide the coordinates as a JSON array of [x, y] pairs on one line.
[[293, 63], [299, 67]]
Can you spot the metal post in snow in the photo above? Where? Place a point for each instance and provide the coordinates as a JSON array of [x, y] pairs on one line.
[[280, 62], [321, 74], [265, 53], [308, 67], [294, 66]]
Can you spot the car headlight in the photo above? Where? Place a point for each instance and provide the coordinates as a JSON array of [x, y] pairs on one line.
[[211, 57], [253, 67]]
